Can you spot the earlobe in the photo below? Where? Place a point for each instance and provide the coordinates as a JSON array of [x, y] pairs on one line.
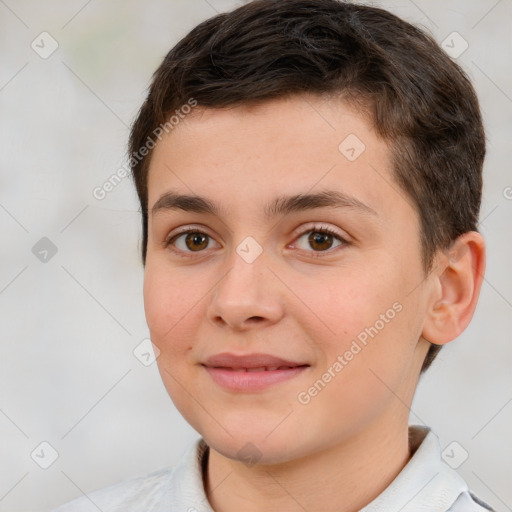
[[456, 287]]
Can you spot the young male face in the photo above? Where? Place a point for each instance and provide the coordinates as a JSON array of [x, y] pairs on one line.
[[217, 294]]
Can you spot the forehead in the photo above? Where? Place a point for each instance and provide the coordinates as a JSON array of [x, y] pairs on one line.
[[247, 155]]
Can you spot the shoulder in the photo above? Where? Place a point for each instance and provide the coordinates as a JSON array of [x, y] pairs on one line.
[[135, 494], [171, 488]]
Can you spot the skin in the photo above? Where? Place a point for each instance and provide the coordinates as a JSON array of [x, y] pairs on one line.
[[345, 446]]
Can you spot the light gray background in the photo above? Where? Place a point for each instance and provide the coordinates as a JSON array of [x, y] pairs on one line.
[[68, 375]]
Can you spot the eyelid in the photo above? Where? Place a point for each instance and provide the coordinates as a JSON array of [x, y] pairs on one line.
[[319, 226], [311, 227], [186, 229], [323, 228]]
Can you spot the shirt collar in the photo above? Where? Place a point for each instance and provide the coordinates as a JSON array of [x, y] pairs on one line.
[[425, 484]]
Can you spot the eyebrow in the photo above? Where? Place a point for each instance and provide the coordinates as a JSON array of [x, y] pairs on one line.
[[282, 205]]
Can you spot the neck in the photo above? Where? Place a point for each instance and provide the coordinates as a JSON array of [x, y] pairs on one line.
[[341, 478]]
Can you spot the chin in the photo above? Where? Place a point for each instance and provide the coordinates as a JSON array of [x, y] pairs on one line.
[[254, 446]]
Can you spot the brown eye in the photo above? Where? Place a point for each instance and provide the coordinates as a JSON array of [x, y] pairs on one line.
[[320, 241], [189, 242], [196, 241]]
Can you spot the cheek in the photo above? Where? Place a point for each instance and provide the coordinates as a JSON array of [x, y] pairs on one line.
[[169, 302], [349, 300], [170, 314], [157, 298], [366, 315]]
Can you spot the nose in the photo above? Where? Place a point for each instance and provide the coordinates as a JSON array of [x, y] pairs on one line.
[[247, 296]]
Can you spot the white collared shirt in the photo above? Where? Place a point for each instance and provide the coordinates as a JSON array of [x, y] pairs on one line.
[[425, 484]]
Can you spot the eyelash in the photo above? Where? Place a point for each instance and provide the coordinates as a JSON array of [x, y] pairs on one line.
[[317, 228]]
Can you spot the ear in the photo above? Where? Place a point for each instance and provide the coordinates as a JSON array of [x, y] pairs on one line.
[[457, 279]]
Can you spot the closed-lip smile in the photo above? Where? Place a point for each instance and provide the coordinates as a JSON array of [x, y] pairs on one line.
[[251, 372]]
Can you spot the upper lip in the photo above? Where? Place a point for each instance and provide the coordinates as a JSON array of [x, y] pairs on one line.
[[227, 360]]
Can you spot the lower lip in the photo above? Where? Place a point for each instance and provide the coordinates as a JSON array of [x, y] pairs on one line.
[[251, 381]]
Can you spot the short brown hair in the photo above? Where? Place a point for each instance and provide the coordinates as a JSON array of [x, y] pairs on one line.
[[417, 98]]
